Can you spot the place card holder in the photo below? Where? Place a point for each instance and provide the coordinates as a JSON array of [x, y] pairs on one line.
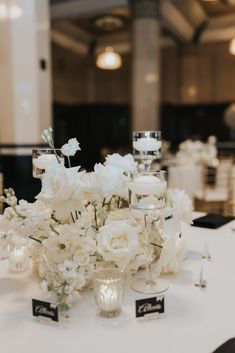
[[206, 254], [150, 308], [201, 282], [45, 312]]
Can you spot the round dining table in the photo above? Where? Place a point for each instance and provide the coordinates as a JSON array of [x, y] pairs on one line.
[[196, 320]]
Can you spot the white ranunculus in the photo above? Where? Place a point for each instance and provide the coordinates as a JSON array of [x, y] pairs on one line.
[[126, 163], [111, 180], [62, 190], [70, 148], [181, 202], [172, 254], [118, 242]]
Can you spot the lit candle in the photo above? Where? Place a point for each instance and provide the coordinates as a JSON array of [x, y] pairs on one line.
[[147, 144], [108, 292], [108, 298], [18, 259], [44, 161]]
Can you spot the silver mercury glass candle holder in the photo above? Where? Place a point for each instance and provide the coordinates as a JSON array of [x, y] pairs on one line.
[[108, 291]]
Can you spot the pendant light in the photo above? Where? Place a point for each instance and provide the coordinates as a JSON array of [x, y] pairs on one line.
[[232, 47], [109, 59]]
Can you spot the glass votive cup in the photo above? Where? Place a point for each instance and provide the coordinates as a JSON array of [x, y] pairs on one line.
[[18, 258], [43, 158], [108, 286], [147, 191]]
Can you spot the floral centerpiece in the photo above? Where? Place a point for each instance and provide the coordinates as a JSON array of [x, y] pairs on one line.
[[81, 221], [197, 152]]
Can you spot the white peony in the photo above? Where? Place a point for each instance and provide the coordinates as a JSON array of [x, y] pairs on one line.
[[70, 148], [126, 163], [118, 242], [181, 202]]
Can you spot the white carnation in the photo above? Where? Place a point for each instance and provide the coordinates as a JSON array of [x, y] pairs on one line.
[[70, 148]]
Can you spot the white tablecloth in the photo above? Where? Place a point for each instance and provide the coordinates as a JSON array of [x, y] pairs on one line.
[[196, 321]]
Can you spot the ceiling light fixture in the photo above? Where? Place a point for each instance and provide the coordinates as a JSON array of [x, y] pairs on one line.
[[109, 59], [232, 47]]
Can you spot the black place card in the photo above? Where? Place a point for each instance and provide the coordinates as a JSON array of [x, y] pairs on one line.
[[149, 306], [45, 310]]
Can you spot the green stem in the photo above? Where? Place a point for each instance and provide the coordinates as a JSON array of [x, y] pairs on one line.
[[103, 203], [39, 241], [95, 217], [16, 212], [69, 162], [72, 217], [159, 246], [54, 230], [109, 204]]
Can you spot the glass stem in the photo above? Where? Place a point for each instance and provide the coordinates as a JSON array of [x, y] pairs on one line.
[[148, 249]]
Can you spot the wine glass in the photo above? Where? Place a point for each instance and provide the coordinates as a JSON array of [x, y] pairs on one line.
[[43, 158], [148, 194], [146, 147]]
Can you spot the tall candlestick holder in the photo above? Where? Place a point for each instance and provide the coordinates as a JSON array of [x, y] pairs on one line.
[[146, 148], [148, 195]]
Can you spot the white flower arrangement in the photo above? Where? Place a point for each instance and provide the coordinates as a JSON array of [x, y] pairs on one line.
[[81, 220], [197, 152]]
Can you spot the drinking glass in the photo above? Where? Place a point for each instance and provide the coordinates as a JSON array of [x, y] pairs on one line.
[[43, 158], [148, 194], [146, 148]]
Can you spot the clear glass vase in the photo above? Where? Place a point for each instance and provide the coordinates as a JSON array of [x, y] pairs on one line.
[[148, 195], [42, 158]]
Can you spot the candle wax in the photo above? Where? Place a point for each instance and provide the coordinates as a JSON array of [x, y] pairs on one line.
[[147, 144], [148, 185], [44, 161]]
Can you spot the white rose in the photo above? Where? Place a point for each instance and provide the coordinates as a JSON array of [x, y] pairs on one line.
[[111, 180], [118, 242], [172, 254], [181, 202], [126, 163]]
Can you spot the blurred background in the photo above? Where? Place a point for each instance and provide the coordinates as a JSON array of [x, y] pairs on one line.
[[99, 69]]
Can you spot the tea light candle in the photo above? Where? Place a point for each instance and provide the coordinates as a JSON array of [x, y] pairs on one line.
[[108, 298], [18, 259], [44, 161], [148, 185], [108, 292], [147, 144]]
